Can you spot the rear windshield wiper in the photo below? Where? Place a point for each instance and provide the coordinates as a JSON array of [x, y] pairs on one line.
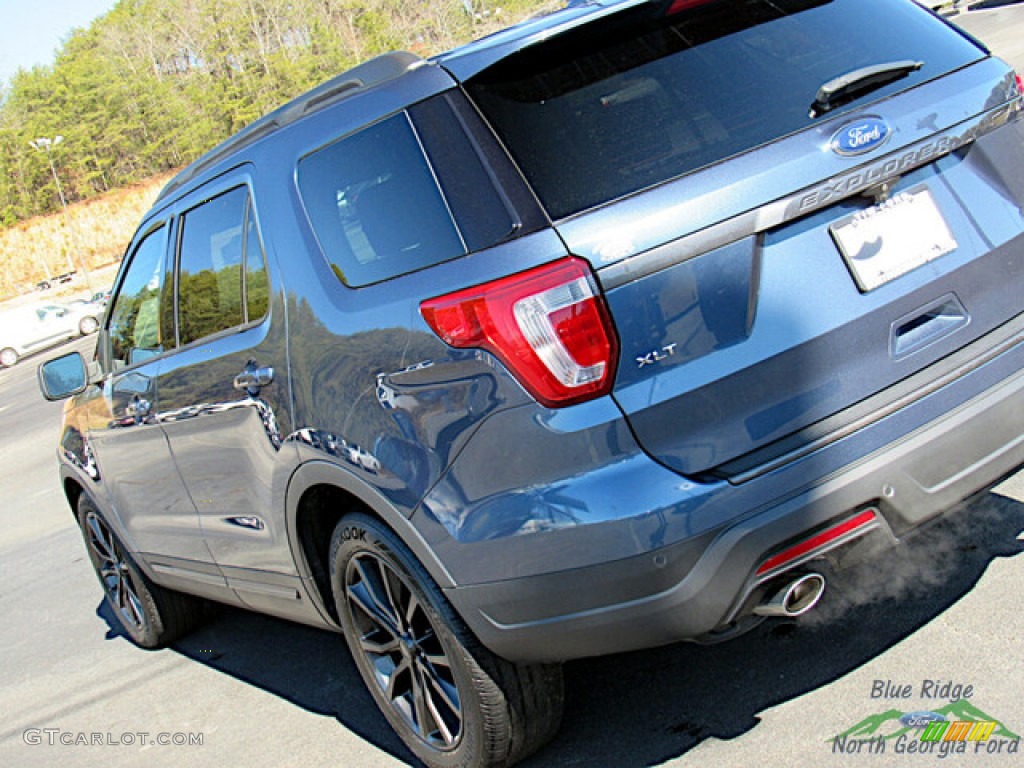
[[845, 88]]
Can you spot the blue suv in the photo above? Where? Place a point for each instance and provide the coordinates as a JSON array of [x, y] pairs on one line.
[[613, 329]]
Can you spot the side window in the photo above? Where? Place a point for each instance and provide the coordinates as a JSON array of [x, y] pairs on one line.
[[375, 204], [135, 331], [220, 257]]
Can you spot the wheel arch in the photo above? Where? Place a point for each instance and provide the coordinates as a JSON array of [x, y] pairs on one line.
[[73, 491], [319, 494]]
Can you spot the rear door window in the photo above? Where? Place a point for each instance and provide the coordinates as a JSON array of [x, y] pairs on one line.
[[222, 280], [662, 89]]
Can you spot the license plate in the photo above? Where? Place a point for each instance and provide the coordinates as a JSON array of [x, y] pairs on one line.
[[892, 238]]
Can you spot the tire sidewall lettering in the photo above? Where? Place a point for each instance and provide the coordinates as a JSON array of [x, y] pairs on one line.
[[355, 534]]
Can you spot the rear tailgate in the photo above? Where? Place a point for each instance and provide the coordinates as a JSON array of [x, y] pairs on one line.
[[801, 257]]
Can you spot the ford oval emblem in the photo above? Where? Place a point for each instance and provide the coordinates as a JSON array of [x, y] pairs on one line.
[[921, 719], [860, 136]]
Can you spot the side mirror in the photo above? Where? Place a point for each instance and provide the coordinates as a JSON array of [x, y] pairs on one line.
[[63, 377]]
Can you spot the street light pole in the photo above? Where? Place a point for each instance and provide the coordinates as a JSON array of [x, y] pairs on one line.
[[46, 144]]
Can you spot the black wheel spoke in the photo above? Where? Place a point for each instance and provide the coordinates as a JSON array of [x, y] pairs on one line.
[[376, 605], [361, 596], [118, 594], [446, 690], [98, 537], [133, 606], [380, 648], [392, 592], [393, 692], [410, 612], [437, 659], [424, 718]]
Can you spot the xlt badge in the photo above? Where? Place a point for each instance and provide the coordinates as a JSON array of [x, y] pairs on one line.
[[656, 356]]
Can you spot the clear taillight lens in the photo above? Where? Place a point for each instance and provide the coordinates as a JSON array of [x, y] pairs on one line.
[[549, 325]]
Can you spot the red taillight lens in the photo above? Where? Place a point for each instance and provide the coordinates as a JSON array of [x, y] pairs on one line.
[[678, 6], [1020, 85], [548, 325]]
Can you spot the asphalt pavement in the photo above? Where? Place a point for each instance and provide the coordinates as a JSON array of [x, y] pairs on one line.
[[935, 621]]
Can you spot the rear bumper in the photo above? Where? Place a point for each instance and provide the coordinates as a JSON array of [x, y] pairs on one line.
[[911, 465]]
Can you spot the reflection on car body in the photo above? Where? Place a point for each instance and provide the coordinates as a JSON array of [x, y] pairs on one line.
[[29, 329]]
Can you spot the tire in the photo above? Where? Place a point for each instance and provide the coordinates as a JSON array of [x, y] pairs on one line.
[[87, 325], [454, 703], [8, 357], [150, 615]]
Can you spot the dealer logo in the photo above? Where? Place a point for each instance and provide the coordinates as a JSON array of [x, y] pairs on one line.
[[958, 727]]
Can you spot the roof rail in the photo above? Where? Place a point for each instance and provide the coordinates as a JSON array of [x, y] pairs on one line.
[[366, 75]]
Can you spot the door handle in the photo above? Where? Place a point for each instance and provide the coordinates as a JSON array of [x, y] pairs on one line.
[[254, 378]]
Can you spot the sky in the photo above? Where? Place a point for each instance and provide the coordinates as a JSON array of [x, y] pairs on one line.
[[31, 31]]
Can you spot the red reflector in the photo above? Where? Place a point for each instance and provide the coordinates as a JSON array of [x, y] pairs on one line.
[[829, 535], [549, 326]]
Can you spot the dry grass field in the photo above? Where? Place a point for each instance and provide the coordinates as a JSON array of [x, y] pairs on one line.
[[93, 234]]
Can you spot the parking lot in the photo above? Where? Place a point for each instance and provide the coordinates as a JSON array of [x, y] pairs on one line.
[[939, 621]]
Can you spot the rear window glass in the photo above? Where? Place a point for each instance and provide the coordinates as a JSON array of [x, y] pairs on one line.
[[375, 204], [645, 95]]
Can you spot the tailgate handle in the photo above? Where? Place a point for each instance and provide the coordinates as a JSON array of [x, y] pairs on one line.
[[927, 325]]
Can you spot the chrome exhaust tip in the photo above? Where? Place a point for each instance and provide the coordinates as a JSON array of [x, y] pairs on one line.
[[795, 597]]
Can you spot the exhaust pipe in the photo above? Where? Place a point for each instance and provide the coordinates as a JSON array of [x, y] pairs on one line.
[[795, 597]]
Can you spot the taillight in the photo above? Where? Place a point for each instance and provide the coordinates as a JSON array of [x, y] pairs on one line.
[[1020, 85], [548, 325], [678, 6]]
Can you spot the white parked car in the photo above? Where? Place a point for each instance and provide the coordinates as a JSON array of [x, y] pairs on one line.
[[29, 329]]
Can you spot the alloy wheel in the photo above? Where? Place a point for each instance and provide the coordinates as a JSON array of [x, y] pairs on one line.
[[402, 647], [112, 566]]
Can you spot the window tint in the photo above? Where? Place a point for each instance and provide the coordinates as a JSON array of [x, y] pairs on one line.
[[222, 278], [643, 96], [135, 329], [375, 205]]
